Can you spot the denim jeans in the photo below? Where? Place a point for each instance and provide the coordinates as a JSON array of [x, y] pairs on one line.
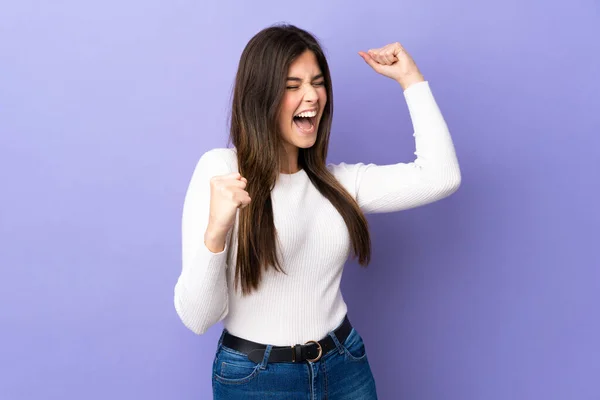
[[342, 373]]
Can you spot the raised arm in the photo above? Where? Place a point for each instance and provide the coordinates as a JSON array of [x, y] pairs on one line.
[[434, 174]]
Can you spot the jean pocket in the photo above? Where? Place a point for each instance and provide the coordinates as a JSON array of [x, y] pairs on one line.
[[234, 368], [355, 347]]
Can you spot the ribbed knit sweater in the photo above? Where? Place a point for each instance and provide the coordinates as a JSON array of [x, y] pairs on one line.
[[314, 244]]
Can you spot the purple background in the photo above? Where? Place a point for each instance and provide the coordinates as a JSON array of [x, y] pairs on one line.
[[106, 106]]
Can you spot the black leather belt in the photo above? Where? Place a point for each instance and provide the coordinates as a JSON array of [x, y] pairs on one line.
[[310, 351]]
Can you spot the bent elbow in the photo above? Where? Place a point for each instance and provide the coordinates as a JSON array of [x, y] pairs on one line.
[[449, 185], [454, 184], [196, 317], [184, 313]]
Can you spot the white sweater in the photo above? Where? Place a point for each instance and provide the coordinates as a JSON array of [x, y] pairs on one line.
[[306, 303]]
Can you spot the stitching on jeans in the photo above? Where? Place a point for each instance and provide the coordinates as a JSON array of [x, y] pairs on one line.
[[308, 381], [229, 381], [227, 349], [351, 357], [224, 363], [325, 380]]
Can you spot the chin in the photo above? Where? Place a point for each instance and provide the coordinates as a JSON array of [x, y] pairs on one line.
[[305, 142], [307, 145]]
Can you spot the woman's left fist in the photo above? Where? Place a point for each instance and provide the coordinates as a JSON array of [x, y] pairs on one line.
[[394, 62]]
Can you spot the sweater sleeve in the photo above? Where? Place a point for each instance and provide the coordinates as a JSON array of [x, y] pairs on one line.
[[201, 289], [433, 175]]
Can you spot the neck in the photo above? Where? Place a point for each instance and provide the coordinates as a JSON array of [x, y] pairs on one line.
[[289, 162], [291, 172]]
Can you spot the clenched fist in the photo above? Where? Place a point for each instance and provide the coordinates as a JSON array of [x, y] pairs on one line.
[[227, 195], [394, 62]]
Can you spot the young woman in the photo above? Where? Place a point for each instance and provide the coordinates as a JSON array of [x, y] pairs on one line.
[[267, 225]]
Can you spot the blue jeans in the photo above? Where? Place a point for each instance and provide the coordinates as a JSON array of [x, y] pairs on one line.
[[342, 373]]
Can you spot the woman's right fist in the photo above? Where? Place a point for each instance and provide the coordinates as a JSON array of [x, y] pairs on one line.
[[227, 194]]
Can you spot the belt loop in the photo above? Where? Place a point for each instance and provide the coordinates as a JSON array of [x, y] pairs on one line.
[[337, 342], [221, 338], [265, 361]]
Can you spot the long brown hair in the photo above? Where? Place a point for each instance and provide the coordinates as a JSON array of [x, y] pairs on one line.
[[259, 88]]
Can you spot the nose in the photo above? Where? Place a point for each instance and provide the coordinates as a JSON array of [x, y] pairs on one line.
[[310, 94]]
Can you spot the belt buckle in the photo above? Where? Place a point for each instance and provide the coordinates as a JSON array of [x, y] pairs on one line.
[[320, 350]]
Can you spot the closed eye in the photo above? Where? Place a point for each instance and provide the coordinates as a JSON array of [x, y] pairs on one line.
[[315, 84]]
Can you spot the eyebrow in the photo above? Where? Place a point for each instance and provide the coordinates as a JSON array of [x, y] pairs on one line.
[[293, 78]]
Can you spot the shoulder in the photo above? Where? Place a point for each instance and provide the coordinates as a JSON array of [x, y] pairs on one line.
[[218, 161], [347, 174], [344, 171]]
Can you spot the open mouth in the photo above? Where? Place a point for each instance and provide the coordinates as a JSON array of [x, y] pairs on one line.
[[306, 122]]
